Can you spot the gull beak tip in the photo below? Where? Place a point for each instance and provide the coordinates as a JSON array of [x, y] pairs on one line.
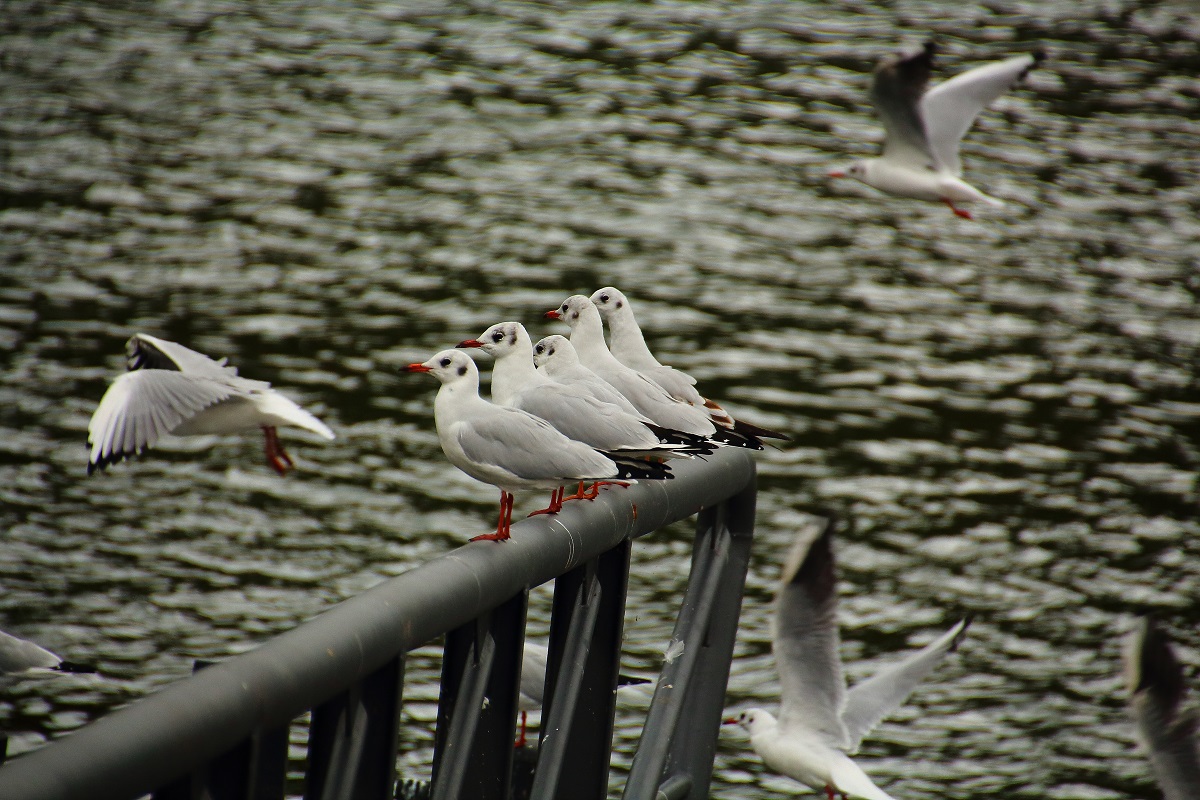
[[465, 343], [836, 173], [553, 314], [414, 368]]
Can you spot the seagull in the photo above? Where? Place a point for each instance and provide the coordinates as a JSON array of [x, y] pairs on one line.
[[172, 389], [509, 448], [556, 357], [587, 336], [571, 409], [924, 128], [1156, 693], [821, 723], [21, 656], [628, 345], [533, 682]]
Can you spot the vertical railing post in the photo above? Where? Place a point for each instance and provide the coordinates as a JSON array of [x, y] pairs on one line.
[[477, 711], [353, 738], [585, 736], [679, 739]]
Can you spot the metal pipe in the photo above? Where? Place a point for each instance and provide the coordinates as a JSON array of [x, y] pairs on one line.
[[130, 752]]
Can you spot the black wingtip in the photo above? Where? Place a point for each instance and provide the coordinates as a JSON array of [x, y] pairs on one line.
[[735, 439], [962, 633], [75, 667], [818, 570]]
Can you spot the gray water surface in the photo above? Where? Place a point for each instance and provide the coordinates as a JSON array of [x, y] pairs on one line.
[[1006, 409]]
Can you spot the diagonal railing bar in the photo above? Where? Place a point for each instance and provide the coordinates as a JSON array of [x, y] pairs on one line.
[[675, 787], [559, 710], [181, 730], [460, 706], [679, 736]]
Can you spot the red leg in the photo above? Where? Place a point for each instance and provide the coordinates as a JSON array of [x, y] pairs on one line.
[[503, 524], [277, 457], [594, 492], [579, 493], [556, 501], [521, 738], [958, 212], [829, 793]]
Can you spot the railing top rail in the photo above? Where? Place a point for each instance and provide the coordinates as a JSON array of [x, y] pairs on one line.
[[146, 744]]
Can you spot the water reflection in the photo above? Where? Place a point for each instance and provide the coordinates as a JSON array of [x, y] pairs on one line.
[[1006, 408]]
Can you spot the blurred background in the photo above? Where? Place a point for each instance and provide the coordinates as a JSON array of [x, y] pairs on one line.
[[1005, 410]]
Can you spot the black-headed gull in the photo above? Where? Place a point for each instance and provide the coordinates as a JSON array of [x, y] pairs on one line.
[[19, 656], [571, 409], [170, 389], [587, 337], [924, 128], [821, 723], [509, 448], [1156, 693], [628, 345], [556, 356]]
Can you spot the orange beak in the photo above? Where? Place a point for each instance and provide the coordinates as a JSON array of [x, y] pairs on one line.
[[469, 343], [415, 368], [836, 173], [553, 314], [729, 721]]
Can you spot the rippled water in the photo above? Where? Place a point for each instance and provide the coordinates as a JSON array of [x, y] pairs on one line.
[[1006, 409]]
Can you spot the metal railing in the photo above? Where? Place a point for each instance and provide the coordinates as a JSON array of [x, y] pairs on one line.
[[223, 733]]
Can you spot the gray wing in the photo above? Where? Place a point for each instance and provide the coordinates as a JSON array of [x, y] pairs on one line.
[[1157, 691], [896, 91], [18, 655], [140, 407], [151, 353], [869, 701], [806, 638], [676, 383], [533, 674], [529, 448], [579, 416], [949, 109]]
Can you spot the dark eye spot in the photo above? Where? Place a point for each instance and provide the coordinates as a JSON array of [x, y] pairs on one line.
[[603, 298], [619, 304], [445, 362], [575, 315], [462, 370], [539, 349], [497, 336]]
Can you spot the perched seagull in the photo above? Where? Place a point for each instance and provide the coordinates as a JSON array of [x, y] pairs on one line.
[[924, 128], [21, 656], [587, 336], [820, 723], [1156, 693], [171, 389], [629, 347], [533, 682], [571, 409], [556, 357], [510, 448]]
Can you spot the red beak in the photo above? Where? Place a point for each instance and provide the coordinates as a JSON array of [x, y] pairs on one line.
[[553, 314], [469, 343], [837, 173], [729, 721], [415, 368]]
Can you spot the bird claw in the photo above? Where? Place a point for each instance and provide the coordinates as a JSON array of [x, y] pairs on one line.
[[490, 537]]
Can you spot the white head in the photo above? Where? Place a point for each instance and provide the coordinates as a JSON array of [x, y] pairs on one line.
[[610, 302], [857, 170], [450, 367], [502, 339], [557, 349], [754, 720], [578, 311]]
